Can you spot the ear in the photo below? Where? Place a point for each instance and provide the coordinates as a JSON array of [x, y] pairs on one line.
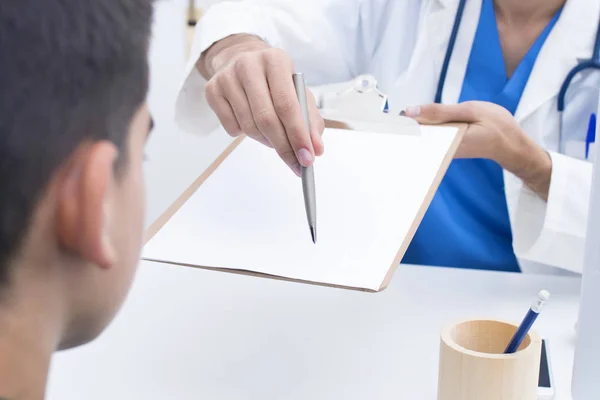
[[84, 203]]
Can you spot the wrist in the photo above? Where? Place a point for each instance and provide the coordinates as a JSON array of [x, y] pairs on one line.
[[226, 49], [539, 175], [530, 163]]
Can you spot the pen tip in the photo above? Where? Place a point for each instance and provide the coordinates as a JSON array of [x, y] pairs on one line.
[[313, 234]]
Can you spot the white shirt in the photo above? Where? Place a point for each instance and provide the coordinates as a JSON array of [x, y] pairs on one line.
[[403, 43]]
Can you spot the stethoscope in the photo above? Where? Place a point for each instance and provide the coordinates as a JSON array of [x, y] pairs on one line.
[[592, 63]]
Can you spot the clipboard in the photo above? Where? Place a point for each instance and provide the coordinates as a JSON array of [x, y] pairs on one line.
[[339, 121]]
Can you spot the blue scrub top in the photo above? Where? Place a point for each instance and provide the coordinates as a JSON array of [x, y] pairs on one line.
[[467, 224]]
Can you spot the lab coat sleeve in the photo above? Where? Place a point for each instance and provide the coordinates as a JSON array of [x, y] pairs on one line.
[[330, 41], [553, 232]]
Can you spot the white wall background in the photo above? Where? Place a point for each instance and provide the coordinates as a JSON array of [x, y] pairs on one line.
[[175, 159]]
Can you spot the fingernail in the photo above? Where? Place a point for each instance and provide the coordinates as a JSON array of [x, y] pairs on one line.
[[304, 157], [413, 111], [297, 169]]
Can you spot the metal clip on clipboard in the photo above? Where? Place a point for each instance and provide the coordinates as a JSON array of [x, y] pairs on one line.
[[363, 107]]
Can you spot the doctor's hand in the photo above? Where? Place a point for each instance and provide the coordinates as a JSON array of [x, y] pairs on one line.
[[493, 133], [251, 89]]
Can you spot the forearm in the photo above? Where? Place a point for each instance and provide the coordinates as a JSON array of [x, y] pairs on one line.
[[531, 164], [223, 51]]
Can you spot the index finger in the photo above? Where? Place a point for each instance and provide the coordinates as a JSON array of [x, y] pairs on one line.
[[287, 107]]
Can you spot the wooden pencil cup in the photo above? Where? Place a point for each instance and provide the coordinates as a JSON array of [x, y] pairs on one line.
[[473, 366]]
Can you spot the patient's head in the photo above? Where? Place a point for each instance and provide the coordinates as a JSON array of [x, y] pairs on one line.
[[73, 123]]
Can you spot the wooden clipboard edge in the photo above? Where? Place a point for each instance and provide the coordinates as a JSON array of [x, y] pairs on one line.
[[166, 216], [180, 201], [425, 205], [262, 275]]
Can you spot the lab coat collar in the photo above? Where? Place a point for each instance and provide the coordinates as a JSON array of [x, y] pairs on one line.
[[447, 3], [571, 40], [440, 21]]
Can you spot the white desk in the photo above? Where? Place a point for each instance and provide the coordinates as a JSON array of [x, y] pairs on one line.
[[192, 334]]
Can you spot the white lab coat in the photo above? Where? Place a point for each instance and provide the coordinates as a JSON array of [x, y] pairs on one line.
[[403, 43]]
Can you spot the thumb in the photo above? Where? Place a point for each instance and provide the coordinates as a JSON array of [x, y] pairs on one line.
[[441, 113]]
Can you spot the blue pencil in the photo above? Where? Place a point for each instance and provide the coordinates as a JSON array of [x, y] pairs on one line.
[[527, 322]]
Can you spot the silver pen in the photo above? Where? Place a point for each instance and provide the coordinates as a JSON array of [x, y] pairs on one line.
[[308, 176]]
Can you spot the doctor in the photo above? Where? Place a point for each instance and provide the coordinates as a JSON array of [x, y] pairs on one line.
[[516, 196]]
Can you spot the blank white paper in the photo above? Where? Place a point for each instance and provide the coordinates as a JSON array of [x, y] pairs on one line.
[[249, 214]]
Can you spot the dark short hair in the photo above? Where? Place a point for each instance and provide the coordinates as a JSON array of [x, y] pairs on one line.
[[71, 71]]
